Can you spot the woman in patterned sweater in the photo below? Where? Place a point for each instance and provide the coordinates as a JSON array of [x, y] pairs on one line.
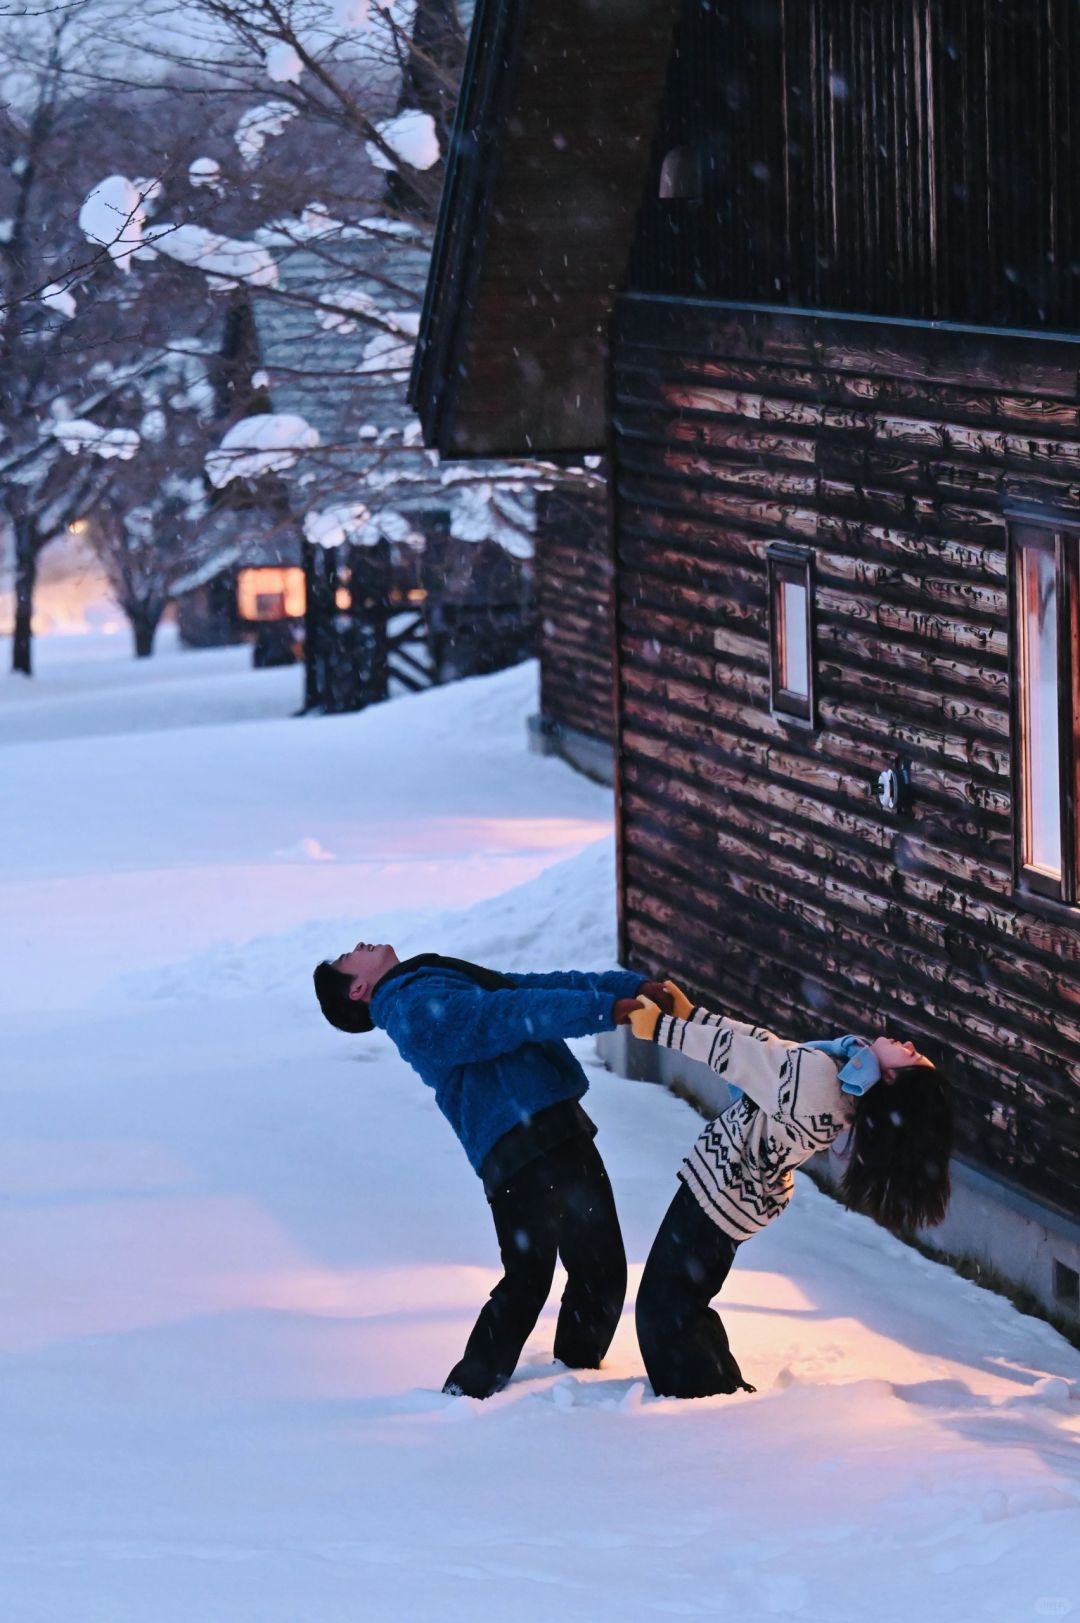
[[793, 1100]]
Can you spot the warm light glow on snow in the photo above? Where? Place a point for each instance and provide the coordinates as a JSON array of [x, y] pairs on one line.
[[72, 596]]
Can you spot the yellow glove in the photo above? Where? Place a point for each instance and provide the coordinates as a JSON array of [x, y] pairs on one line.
[[683, 1006], [643, 1020]]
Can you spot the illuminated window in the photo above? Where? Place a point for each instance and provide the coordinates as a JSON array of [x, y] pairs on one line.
[[270, 594], [1044, 566], [791, 632]]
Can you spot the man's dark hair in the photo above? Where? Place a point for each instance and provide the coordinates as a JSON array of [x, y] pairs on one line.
[[332, 990]]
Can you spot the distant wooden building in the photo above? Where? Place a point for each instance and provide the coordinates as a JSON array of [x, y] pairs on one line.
[[810, 275], [249, 586]]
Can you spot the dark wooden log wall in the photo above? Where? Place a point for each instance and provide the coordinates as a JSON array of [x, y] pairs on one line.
[[574, 595], [756, 862], [898, 157]]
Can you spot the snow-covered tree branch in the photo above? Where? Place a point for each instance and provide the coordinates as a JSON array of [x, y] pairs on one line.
[[279, 157]]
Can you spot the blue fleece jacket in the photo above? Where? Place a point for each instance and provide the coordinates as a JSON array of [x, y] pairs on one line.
[[495, 1058]]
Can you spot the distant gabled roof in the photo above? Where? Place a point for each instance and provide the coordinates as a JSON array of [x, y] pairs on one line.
[[320, 370], [550, 148], [317, 366]]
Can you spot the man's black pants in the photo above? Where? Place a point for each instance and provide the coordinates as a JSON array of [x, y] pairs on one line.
[[682, 1340], [558, 1205]]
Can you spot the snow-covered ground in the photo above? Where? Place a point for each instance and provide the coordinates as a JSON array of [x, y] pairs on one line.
[[91, 686], [240, 1251]]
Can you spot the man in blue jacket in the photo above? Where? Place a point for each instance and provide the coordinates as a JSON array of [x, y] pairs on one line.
[[491, 1046]]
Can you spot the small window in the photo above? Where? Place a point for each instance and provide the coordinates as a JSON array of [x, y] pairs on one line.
[[1066, 1285], [680, 174], [271, 593], [1044, 565], [791, 632]]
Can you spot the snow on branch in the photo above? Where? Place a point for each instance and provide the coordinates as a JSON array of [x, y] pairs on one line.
[[378, 225], [485, 513], [77, 434], [353, 522], [390, 354], [57, 297], [343, 300], [204, 172], [258, 124], [268, 443], [114, 217], [226, 261], [309, 225], [399, 326], [411, 136], [283, 65], [333, 526]]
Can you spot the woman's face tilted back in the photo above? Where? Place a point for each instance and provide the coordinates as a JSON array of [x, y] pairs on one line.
[[894, 1056]]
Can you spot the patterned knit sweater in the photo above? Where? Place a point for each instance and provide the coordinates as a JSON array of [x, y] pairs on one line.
[[741, 1170]]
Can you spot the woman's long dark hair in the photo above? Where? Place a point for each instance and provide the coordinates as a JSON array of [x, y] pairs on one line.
[[901, 1140]]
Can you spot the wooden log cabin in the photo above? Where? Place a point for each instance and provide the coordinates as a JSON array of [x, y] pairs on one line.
[[826, 327]]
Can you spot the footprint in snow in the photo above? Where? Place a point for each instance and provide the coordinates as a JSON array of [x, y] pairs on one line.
[[941, 1394]]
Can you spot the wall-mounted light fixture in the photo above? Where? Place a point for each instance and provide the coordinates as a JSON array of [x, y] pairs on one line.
[[893, 788]]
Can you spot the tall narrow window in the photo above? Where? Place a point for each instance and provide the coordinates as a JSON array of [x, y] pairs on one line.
[[791, 632], [1044, 707]]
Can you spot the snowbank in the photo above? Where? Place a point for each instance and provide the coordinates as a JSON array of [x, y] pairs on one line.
[[569, 903]]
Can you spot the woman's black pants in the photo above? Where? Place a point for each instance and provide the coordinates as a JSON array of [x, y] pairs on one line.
[[559, 1205], [682, 1340]]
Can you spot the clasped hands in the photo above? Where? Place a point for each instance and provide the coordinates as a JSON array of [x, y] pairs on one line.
[[654, 998]]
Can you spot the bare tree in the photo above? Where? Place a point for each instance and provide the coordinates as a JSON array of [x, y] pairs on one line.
[[76, 329], [148, 528], [327, 126], [39, 496], [286, 161]]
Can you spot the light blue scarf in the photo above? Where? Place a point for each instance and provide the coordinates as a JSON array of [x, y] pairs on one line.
[[859, 1070], [855, 1060]]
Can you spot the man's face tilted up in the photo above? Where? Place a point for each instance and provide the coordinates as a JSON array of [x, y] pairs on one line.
[[366, 965]]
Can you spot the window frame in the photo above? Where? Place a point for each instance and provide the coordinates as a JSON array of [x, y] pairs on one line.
[[1045, 533], [790, 564]]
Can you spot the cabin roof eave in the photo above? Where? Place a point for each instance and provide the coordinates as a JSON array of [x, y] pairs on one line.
[[549, 152]]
